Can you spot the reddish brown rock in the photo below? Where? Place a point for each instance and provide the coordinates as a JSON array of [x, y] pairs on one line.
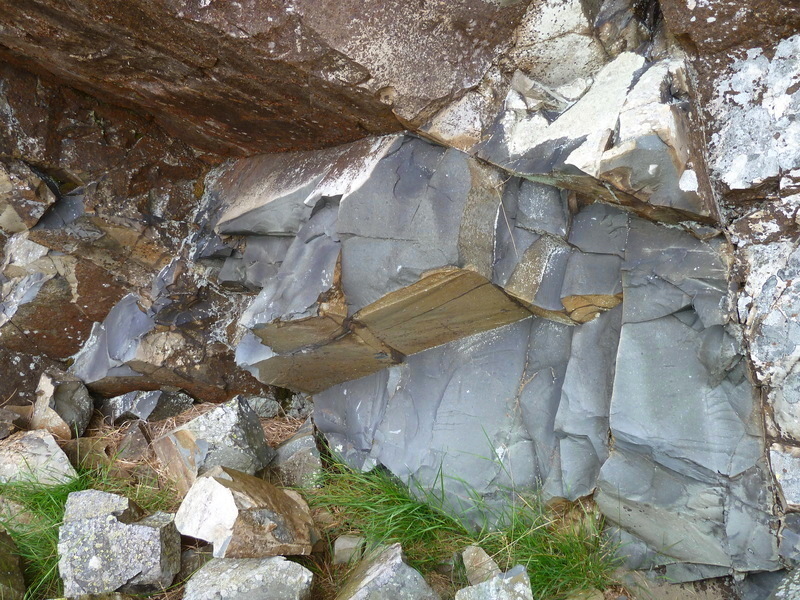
[[262, 75]]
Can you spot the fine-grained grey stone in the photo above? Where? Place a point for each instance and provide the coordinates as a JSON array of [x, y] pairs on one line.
[[600, 229], [511, 585], [249, 578], [297, 461], [105, 545], [382, 574], [423, 191], [266, 407], [34, 456], [788, 588], [347, 549], [258, 264], [479, 565], [147, 406], [785, 463]]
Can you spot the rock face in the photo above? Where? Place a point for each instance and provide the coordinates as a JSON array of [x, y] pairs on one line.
[[106, 543], [575, 271], [245, 578], [245, 517]]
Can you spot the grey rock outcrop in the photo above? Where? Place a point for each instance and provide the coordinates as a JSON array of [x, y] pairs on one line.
[[230, 435], [106, 543], [34, 456], [245, 517], [248, 578], [383, 573]]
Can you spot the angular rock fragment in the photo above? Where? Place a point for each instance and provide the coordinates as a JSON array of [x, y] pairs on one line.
[[34, 456], [63, 405], [479, 565], [247, 578], [24, 197], [297, 461], [511, 585], [12, 583], [347, 549], [245, 517], [106, 543], [230, 435], [136, 443], [147, 406], [383, 573]]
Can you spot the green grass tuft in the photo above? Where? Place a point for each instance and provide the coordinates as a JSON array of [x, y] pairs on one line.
[[562, 554], [34, 526]]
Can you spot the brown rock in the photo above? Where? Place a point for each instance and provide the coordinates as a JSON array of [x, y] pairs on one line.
[[306, 75]]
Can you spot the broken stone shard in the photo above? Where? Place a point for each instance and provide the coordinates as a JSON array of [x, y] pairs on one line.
[[229, 435], [34, 456], [383, 573], [147, 406], [297, 461], [245, 517], [479, 565], [348, 549], [247, 578], [514, 584], [63, 405], [106, 544]]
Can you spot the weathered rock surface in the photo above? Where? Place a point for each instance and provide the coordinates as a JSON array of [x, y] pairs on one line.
[[229, 435], [12, 583], [383, 573], [34, 456], [245, 517], [297, 461], [511, 585], [316, 75], [247, 578], [479, 565], [147, 406], [63, 405], [106, 543], [348, 549]]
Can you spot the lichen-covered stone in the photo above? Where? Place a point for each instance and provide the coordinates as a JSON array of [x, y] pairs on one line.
[[34, 456], [248, 578], [297, 461], [245, 517], [511, 585], [106, 544]]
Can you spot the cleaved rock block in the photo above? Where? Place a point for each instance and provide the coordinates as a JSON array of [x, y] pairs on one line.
[[297, 461], [106, 544], [229, 435], [383, 573], [247, 578], [245, 517]]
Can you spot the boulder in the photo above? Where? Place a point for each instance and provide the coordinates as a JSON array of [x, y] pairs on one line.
[[34, 456], [106, 543], [247, 578], [245, 517], [146, 406], [230, 435], [383, 573], [514, 584]]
